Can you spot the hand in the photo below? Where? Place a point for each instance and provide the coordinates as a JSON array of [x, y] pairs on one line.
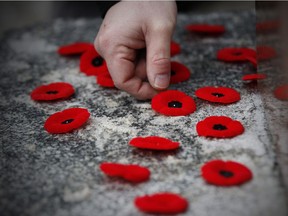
[[129, 28]]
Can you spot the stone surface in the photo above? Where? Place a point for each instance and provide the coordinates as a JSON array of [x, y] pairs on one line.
[[44, 174]]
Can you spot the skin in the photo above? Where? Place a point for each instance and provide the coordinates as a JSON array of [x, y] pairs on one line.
[[134, 39]]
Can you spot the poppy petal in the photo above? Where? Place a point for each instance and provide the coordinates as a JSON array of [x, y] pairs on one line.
[[74, 49], [179, 73], [161, 203], [66, 121], [173, 103], [52, 91], [154, 143], [281, 92], [256, 76], [235, 54], [225, 173], [174, 48], [206, 29], [105, 80]]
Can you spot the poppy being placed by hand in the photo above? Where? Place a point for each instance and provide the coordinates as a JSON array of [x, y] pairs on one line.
[[236, 54], [206, 29], [105, 80], [225, 173], [265, 53], [253, 77], [161, 203], [219, 127], [53, 91], [154, 143], [222, 95], [281, 92], [129, 172], [174, 48], [92, 64], [74, 49], [66, 121], [173, 103], [179, 73]]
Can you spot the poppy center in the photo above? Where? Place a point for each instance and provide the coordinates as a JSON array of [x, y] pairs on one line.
[[52, 92], [226, 174], [216, 94], [68, 121], [219, 127], [237, 53], [173, 73], [174, 104], [98, 61]]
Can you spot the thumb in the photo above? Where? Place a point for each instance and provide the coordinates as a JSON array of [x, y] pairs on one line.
[[158, 58]]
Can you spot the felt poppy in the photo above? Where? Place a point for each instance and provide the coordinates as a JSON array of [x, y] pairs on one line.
[[179, 73], [53, 91], [254, 77], [92, 64], [235, 54], [219, 127], [174, 48], [130, 172], [225, 173], [161, 203], [265, 53], [206, 29], [281, 92], [66, 121], [154, 143], [173, 103], [218, 94], [105, 80], [267, 26], [74, 49]]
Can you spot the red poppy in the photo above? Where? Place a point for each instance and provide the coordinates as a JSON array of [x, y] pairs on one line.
[[66, 121], [235, 54], [53, 91], [179, 73], [218, 94], [281, 92], [173, 103], [267, 26], [161, 203], [253, 60], [154, 143], [92, 64], [220, 127], [105, 80], [131, 173], [265, 53], [74, 49], [174, 48], [206, 29], [256, 76], [225, 173]]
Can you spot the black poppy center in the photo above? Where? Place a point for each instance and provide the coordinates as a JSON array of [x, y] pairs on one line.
[[175, 104], [219, 127], [216, 94], [52, 92], [173, 73], [226, 173], [68, 121], [98, 61], [237, 53]]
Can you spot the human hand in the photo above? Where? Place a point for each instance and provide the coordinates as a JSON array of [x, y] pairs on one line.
[[127, 29]]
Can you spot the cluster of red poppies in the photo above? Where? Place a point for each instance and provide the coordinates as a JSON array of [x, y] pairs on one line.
[[169, 103]]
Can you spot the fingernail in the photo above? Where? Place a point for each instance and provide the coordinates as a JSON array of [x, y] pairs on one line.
[[161, 81]]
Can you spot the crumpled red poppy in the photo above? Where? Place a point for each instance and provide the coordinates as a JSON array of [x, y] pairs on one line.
[[206, 29], [105, 80], [253, 77], [52, 91], [281, 92], [222, 95], [179, 73], [66, 120], [236, 54], [219, 127], [174, 48], [265, 53], [130, 172], [173, 103], [74, 49], [154, 143], [92, 64], [225, 173], [161, 203]]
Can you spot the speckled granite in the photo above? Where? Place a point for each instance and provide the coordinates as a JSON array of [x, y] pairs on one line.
[[43, 174]]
